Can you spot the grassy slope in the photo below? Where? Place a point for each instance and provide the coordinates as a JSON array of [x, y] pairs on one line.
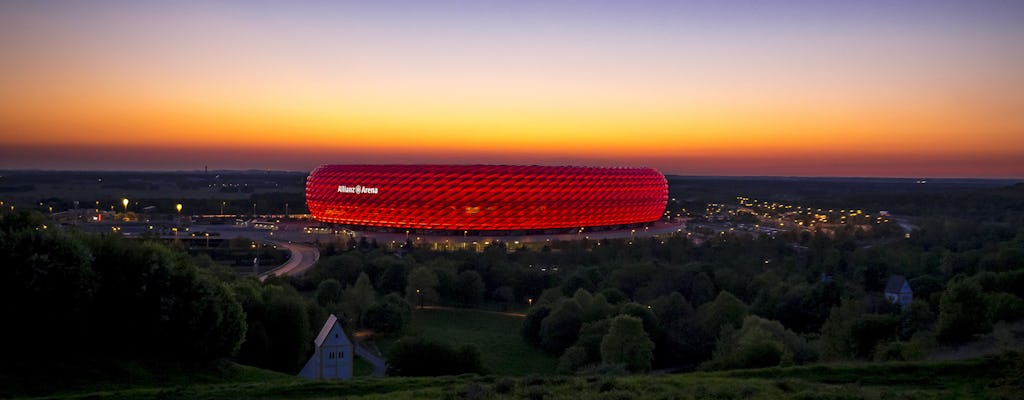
[[502, 348], [925, 380]]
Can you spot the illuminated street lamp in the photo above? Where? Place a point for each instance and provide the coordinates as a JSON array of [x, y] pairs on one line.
[[420, 295], [178, 207], [124, 202], [256, 260]]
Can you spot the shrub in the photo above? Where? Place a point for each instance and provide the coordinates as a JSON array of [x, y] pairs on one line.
[[627, 343], [414, 356], [572, 360], [389, 315]]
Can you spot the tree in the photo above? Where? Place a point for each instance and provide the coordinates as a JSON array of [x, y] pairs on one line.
[[47, 285], [627, 343], [206, 320], [686, 340], [962, 312], [469, 288], [504, 295], [389, 315], [651, 324], [560, 329], [836, 343], [328, 292], [759, 343], [1004, 307], [532, 323], [869, 330], [590, 337], [358, 298], [288, 331], [724, 310], [421, 287]]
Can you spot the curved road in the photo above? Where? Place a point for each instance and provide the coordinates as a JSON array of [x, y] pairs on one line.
[[302, 258]]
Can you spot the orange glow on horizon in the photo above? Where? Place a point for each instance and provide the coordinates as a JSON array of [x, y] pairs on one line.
[[726, 92]]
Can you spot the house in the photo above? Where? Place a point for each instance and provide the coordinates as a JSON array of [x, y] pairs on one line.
[[332, 356], [897, 291]]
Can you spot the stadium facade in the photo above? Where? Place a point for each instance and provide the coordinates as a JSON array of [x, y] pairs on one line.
[[485, 197]]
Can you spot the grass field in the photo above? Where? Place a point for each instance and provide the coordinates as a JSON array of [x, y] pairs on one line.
[[987, 378], [502, 348]]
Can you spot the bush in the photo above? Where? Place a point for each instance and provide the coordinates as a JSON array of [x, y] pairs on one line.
[[1004, 307], [560, 329], [627, 343], [389, 315], [532, 323], [504, 385], [414, 356], [759, 343], [962, 312], [572, 360]]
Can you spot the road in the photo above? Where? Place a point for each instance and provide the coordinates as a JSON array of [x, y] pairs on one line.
[[302, 258]]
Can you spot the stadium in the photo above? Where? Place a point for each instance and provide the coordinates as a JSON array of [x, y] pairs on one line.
[[485, 198]]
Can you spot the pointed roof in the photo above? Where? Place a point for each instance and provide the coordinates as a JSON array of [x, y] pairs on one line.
[[326, 330], [895, 284]]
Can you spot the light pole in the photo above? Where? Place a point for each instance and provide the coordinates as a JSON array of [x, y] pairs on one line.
[[222, 204], [207, 234], [420, 296], [256, 260], [124, 201], [178, 207]]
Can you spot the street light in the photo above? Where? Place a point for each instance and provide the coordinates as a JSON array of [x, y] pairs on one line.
[[256, 260], [178, 207], [124, 201]]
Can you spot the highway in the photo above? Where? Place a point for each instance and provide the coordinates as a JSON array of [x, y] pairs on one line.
[[302, 258]]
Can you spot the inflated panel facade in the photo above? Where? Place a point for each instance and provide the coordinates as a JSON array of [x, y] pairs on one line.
[[484, 197]]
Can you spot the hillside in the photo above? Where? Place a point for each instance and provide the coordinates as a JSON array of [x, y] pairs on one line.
[[986, 378]]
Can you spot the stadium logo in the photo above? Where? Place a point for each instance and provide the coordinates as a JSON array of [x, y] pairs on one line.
[[357, 189]]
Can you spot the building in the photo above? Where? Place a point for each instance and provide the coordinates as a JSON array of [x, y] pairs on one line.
[[462, 198], [897, 291], [332, 356]]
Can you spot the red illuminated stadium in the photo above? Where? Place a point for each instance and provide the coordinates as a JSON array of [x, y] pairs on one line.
[[484, 197]]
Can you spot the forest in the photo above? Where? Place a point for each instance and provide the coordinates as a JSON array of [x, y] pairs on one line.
[[667, 303]]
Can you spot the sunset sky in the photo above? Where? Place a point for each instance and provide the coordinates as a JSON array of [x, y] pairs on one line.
[[907, 88]]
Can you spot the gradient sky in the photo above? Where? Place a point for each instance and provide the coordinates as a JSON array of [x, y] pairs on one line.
[[924, 88]]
